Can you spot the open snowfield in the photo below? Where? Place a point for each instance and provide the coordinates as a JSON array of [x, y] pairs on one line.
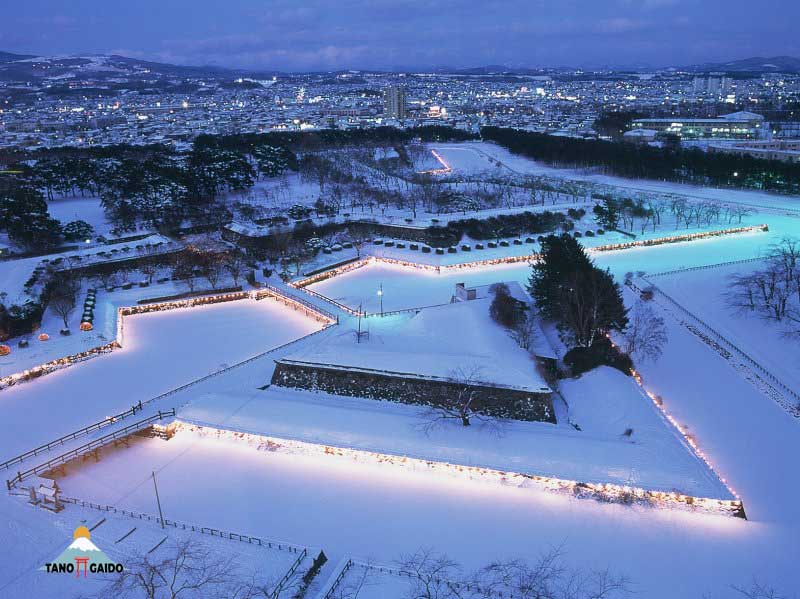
[[121, 538], [654, 457], [378, 513], [406, 287], [473, 158], [703, 293], [162, 350], [88, 209], [439, 342]]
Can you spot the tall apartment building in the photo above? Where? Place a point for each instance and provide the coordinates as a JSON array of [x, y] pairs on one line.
[[394, 102], [714, 85]]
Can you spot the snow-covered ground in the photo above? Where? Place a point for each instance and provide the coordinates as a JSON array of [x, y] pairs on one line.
[[162, 350], [104, 326], [653, 457], [474, 158], [703, 293], [440, 342], [40, 536], [14, 273], [376, 512], [87, 209], [405, 287]]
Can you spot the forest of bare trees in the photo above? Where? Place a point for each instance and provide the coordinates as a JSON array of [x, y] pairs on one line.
[[772, 292]]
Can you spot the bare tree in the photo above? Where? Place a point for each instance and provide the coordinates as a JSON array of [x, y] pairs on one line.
[[774, 291], [757, 591], [739, 211], [524, 330], [188, 570], [432, 575], [436, 576], [63, 291], [646, 333], [460, 404], [352, 586], [183, 266], [234, 262], [149, 267]]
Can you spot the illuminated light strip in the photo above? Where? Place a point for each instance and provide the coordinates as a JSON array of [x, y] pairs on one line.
[[446, 168], [287, 300], [302, 283], [335, 272], [677, 238], [687, 436], [607, 492], [516, 259], [124, 311]]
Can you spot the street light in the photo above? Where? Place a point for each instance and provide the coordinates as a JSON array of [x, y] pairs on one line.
[[380, 295]]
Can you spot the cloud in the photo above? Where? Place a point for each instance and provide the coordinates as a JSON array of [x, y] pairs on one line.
[[319, 34]]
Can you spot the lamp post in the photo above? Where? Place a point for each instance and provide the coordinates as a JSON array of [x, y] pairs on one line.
[[158, 501], [380, 295]]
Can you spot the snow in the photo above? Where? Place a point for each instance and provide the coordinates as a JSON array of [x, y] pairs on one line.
[[38, 537], [378, 512], [406, 287], [162, 350], [473, 158], [703, 293], [653, 459], [88, 209], [15, 272], [437, 342]]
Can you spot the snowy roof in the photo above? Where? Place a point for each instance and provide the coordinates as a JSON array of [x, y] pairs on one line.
[[514, 289], [742, 115], [640, 133], [434, 343]]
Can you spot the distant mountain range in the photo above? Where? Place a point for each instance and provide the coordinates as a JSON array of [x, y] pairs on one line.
[[758, 64], [103, 67], [20, 67]]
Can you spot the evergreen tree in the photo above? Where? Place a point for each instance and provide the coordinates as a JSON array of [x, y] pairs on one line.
[[581, 298]]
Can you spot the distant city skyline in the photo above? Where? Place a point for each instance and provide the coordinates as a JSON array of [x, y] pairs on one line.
[[379, 34]]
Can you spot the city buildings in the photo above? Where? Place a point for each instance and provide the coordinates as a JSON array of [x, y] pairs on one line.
[[779, 149], [737, 125], [394, 102]]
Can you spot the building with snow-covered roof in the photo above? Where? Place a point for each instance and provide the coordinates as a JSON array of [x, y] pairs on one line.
[[785, 150], [737, 125]]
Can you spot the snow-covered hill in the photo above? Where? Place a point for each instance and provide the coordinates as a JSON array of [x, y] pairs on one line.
[[14, 67]]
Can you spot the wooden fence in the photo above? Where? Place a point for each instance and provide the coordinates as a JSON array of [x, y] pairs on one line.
[[87, 447], [73, 435]]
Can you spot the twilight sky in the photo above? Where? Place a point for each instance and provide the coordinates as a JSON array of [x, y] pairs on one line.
[[327, 34]]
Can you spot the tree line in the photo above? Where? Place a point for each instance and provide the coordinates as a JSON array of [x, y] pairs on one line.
[[690, 165], [159, 186]]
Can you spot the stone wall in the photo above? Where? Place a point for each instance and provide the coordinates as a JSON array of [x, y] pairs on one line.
[[494, 401]]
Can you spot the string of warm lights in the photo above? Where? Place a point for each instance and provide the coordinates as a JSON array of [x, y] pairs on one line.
[[677, 238], [308, 310], [684, 432], [124, 311], [334, 272], [606, 492], [446, 168], [53, 365]]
